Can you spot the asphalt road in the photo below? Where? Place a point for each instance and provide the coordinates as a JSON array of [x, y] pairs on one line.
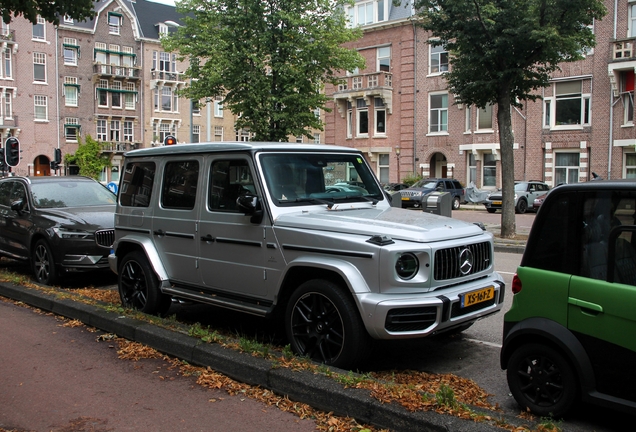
[[60, 379]]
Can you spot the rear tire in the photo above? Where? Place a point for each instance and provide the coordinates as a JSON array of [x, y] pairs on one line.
[[542, 380], [456, 203], [324, 324], [139, 286]]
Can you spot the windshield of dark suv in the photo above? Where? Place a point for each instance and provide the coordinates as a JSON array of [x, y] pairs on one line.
[[305, 178], [71, 194]]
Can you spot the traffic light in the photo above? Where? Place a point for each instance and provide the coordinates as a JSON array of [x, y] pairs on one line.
[[169, 140], [57, 159], [12, 151]]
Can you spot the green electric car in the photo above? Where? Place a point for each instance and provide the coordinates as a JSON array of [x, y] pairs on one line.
[[570, 333]]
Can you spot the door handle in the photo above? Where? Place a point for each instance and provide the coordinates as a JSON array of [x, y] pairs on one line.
[[207, 238], [159, 232], [592, 307]]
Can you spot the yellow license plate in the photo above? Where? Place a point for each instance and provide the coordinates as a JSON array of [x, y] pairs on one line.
[[405, 198], [478, 296], [496, 202]]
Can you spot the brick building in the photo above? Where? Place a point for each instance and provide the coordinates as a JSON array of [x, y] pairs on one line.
[[399, 112]]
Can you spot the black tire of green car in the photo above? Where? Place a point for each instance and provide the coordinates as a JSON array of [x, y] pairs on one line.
[[542, 380], [323, 323], [522, 206], [43, 263], [139, 286]]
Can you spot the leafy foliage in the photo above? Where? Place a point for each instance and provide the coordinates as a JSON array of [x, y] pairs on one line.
[[268, 59], [88, 158], [49, 10], [502, 51]]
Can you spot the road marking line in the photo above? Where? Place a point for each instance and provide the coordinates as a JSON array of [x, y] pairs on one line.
[[492, 344]]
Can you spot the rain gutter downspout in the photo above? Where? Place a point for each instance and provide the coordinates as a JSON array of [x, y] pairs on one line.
[[414, 97], [57, 85], [611, 116]]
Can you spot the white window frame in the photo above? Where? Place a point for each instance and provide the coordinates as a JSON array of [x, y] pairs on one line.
[[8, 105], [218, 132], [383, 167], [7, 64], [369, 12], [349, 120], [627, 168], [468, 119], [40, 102], [71, 123], [116, 98], [627, 99], [380, 129], [101, 130], [632, 20], [129, 130], [114, 24], [485, 115], [41, 23], [196, 132], [550, 107], [567, 168], [441, 127], [437, 52], [103, 84], [218, 108], [71, 92], [362, 112], [115, 131], [471, 164], [383, 54], [129, 97], [39, 59]]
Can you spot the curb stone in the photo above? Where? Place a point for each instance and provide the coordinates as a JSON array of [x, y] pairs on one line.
[[316, 390]]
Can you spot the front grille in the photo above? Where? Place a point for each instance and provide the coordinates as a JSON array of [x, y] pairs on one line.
[[105, 238], [450, 263], [410, 319]]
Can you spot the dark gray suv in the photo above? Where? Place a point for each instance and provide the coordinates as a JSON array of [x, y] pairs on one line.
[[413, 196]]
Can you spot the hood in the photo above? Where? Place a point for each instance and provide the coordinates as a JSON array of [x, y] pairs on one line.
[[397, 223], [98, 217]]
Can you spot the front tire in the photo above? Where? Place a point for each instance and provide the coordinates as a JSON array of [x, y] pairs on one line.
[[43, 263], [542, 380], [491, 210], [324, 324], [522, 206], [139, 286]]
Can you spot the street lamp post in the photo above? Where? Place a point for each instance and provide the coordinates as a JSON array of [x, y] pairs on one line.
[[397, 154]]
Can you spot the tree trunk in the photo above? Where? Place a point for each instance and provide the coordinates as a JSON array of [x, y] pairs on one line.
[[506, 143]]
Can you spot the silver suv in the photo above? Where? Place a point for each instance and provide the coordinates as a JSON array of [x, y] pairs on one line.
[[262, 228]]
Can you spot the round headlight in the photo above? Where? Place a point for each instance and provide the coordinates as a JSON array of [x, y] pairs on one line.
[[407, 266]]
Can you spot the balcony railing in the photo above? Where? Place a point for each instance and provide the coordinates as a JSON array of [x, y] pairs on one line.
[[7, 35], [118, 146], [366, 81], [166, 76], [117, 71]]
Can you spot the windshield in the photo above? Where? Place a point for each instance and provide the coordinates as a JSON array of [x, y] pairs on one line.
[[521, 187], [71, 194], [302, 178], [425, 184]]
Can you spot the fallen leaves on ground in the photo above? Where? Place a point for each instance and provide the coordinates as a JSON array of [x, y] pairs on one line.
[[100, 294]]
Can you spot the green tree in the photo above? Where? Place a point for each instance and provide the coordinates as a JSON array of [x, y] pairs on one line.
[[502, 52], [47, 9], [269, 59], [88, 158]]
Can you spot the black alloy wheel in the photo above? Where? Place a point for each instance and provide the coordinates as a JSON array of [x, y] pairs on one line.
[[522, 206], [542, 380], [139, 287], [43, 263], [323, 324]]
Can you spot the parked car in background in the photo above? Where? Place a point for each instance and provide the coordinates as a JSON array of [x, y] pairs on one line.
[[278, 230], [525, 194], [538, 201], [414, 195], [58, 224], [569, 334], [395, 187]]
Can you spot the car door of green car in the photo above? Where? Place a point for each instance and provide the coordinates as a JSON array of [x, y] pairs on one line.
[[602, 299]]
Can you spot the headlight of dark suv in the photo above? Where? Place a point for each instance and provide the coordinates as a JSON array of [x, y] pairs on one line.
[[407, 266], [69, 233]]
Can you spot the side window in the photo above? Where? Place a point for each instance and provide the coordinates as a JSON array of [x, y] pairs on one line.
[[448, 185], [136, 184], [555, 246], [179, 188], [622, 241], [5, 193], [229, 179], [18, 193]]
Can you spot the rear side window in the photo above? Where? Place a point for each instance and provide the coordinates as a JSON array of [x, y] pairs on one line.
[[136, 184], [179, 188]]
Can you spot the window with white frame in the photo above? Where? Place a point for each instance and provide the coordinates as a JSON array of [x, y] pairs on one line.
[[438, 60], [114, 23], [472, 168], [569, 108], [632, 20], [362, 118], [101, 130], [299, 139], [468, 123], [218, 107], [196, 110], [349, 120], [115, 130], [128, 59], [489, 170], [115, 96], [316, 138], [484, 118], [196, 133], [164, 62], [4, 28], [39, 29], [71, 127], [218, 133], [384, 59], [438, 113], [8, 105], [68, 19], [102, 93], [380, 116], [383, 168], [163, 29], [630, 165], [40, 107], [39, 67], [71, 51], [71, 91], [7, 63], [128, 131], [368, 12], [627, 96], [129, 96], [566, 167], [164, 131]]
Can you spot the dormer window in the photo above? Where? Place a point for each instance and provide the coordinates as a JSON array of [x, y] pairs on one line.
[[163, 29], [367, 12]]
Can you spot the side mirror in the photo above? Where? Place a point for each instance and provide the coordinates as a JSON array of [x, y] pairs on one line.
[[251, 206], [18, 206]]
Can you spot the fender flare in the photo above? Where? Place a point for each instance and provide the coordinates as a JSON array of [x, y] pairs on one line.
[[146, 245], [356, 283], [546, 330]]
